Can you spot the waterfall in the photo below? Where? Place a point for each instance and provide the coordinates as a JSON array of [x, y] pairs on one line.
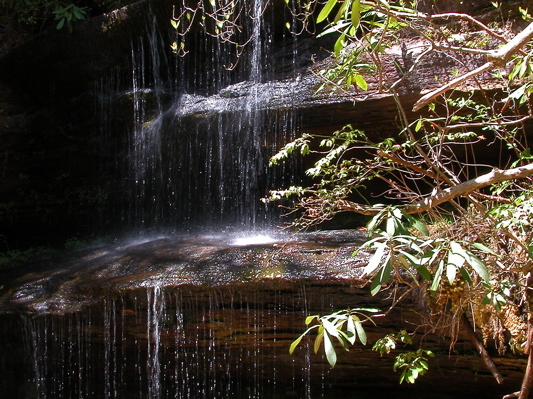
[[189, 145], [182, 317], [211, 346], [183, 170]]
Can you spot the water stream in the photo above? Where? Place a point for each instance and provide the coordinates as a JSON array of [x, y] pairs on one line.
[[175, 317], [186, 171], [205, 300]]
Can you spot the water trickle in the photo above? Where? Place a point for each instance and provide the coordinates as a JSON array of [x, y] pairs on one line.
[[182, 317], [181, 168], [155, 309]]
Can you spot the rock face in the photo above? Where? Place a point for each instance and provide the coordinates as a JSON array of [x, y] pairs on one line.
[[96, 137], [206, 317], [72, 104]]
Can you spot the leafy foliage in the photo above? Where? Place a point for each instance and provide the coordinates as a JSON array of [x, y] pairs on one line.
[[37, 15], [67, 15], [346, 326], [469, 250], [413, 364], [397, 251], [470, 254]]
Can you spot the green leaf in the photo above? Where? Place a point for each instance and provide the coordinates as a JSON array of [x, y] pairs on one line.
[[438, 274], [331, 355], [360, 81], [78, 12], [344, 340], [419, 125], [356, 13], [326, 10], [60, 24], [340, 12], [390, 226], [375, 221], [350, 327], [484, 248], [339, 44], [417, 224], [465, 275], [451, 272], [361, 332], [375, 286], [330, 328], [478, 266], [455, 261], [381, 278], [424, 272], [318, 340], [295, 343], [375, 260]]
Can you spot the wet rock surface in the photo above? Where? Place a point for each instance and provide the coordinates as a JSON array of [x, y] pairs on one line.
[[61, 169], [71, 282], [206, 317]]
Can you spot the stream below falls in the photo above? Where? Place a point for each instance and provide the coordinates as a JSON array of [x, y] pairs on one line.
[[197, 317]]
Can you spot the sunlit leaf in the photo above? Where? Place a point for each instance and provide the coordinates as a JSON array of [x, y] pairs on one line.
[[331, 355], [340, 12], [438, 274], [483, 248], [478, 266], [339, 44], [350, 327], [451, 272], [361, 332], [330, 328], [326, 10], [381, 278], [295, 343], [419, 125], [375, 260], [356, 12], [360, 81], [318, 340]]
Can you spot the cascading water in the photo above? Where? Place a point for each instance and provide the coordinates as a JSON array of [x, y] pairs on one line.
[[171, 319], [205, 171]]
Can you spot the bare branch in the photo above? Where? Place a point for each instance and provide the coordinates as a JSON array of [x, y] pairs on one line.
[[496, 59], [468, 18], [467, 326], [426, 99], [500, 57], [442, 196]]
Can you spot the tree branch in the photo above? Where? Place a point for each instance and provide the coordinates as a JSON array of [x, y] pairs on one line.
[[495, 59], [481, 349], [442, 196], [426, 99]]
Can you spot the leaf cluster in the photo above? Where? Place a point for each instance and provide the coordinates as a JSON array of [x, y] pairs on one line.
[[343, 326], [434, 167], [37, 15], [399, 253]]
